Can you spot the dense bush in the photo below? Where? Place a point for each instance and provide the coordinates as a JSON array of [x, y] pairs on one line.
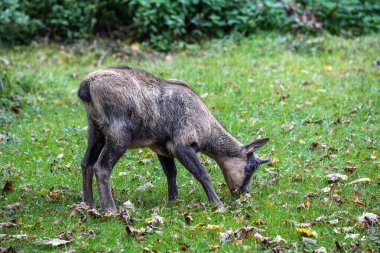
[[162, 22]]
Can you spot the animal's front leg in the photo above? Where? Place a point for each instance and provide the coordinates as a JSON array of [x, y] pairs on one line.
[[103, 168], [188, 157], [170, 170]]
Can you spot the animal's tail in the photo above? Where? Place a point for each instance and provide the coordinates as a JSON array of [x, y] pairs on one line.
[[84, 90]]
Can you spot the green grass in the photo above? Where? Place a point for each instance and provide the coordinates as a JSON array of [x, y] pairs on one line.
[[256, 86]]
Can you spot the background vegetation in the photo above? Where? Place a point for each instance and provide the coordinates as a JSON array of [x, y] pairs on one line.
[[163, 24]]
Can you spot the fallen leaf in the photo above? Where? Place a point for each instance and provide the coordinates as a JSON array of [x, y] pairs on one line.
[[333, 222], [246, 232], [307, 232], [247, 248], [138, 232], [93, 213], [145, 186], [361, 180], [369, 220], [327, 68], [200, 225], [129, 205], [66, 236], [320, 250], [8, 187], [224, 236], [55, 242], [306, 240], [351, 236], [80, 209], [339, 245], [264, 240], [273, 162], [9, 249], [56, 221], [13, 206], [126, 217], [212, 226], [8, 225], [335, 177], [188, 218], [135, 46], [277, 240], [15, 109], [350, 169], [54, 194], [155, 220], [277, 249], [214, 247], [314, 145], [183, 247]]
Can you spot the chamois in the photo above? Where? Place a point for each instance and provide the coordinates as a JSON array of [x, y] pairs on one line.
[[131, 108]]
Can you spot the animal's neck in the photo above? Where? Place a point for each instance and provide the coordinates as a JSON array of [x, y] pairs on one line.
[[227, 152], [222, 143]]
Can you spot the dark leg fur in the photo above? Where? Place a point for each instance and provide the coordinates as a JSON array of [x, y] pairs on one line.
[[188, 157], [95, 145], [111, 153], [171, 173]]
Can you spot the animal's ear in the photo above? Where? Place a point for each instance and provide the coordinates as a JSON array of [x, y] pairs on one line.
[[256, 144]]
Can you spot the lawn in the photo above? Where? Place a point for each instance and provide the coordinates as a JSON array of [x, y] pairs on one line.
[[316, 98]]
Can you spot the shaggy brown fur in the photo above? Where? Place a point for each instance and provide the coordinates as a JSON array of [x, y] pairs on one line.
[[130, 108]]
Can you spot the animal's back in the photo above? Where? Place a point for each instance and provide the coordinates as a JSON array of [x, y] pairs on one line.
[[161, 110]]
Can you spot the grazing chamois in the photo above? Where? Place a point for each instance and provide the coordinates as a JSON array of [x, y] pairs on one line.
[[130, 108]]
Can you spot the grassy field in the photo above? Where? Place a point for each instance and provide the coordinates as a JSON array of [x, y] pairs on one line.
[[316, 98]]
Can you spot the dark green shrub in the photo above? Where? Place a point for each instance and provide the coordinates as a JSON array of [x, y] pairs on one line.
[[163, 22], [15, 24]]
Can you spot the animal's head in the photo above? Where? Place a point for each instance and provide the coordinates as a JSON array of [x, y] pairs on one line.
[[238, 169], [252, 162]]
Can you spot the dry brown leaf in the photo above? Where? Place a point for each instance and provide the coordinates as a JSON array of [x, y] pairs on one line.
[[66, 236], [183, 247], [137, 232], [15, 109], [8, 225], [54, 194], [93, 213], [126, 217], [8, 187], [335, 177], [13, 206], [188, 218], [155, 220], [273, 161], [80, 209], [368, 220], [214, 248]]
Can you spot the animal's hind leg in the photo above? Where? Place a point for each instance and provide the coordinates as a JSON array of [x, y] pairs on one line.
[[95, 144], [188, 157], [170, 170], [114, 148]]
